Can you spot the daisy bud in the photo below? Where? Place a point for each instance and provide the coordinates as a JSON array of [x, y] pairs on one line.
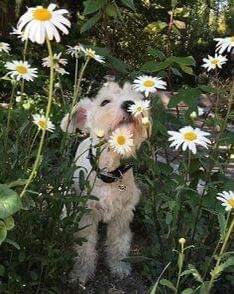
[[145, 120], [99, 133], [182, 241], [18, 99], [193, 115]]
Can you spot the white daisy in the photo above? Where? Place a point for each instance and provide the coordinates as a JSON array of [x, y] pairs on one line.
[[121, 141], [214, 62], [89, 53], [20, 34], [228, 199], [21, 70], [43, 123], [148, 84], [139, 107], [224, 44], [189, 137], [57, 61], [4, 47], [39, 22], [75, 51]]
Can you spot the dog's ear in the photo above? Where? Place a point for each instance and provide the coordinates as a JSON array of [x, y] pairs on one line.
[[78, 117]]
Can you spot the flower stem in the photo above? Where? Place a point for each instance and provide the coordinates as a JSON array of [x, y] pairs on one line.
[[77, 84], [50, 98], [180, 265], [9, 114], [221, 239], [213, 276]]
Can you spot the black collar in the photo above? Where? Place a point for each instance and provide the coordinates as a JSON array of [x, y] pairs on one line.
[[108, 177]]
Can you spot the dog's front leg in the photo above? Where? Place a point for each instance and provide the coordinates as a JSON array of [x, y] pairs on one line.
[[85, 262], [118, 243]]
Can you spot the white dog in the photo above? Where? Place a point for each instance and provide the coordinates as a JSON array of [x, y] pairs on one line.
[[113, 183]]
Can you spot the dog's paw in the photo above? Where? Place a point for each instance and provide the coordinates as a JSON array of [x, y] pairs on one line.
[[121, 269], [80, 277]]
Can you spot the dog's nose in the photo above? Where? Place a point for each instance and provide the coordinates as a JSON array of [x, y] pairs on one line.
[[126, 104]]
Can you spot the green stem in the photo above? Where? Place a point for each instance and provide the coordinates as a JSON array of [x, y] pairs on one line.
[[76, 78], [180, 264], [221, 254], [74, 100], [50, 98], [217, 246], [25, 49], [30, 148], [9, 114], [224, 124]]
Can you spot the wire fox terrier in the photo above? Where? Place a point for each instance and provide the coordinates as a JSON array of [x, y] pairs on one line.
[[113, 184]]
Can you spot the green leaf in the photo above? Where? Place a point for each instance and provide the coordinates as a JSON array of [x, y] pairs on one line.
[[3, 232], [10, 201], [92, 6], [111, 10], [168, 284], [156, 26], [17, 183], [176, 72], [13, 243], [156, 53], [9, 222], [129, 4], [154, 66], [185, 60], [188, 96], [179, 24], [227, 138], [90, 23], [118, 64], [186, 69], [226, 264], [207, 89], [187, 291]]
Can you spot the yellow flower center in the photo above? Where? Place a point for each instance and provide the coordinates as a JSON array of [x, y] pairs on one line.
[[148, 83], [121, 140], [21, 69], [43, 123], [214, 61], [190, 135], [231, 201], [90, 53], [139, 109], [42, 14], [231, 39]]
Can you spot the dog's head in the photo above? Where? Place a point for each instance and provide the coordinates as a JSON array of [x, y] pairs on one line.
[[108, 111]]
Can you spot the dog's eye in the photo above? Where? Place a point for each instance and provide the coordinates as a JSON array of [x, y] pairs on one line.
[[104, 102]]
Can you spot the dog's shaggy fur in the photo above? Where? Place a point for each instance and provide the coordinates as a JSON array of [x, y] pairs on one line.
[[117, 200]]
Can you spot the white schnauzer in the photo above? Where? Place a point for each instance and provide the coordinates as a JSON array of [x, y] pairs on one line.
[[113, 184]]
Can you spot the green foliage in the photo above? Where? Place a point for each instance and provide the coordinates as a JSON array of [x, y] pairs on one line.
[[9, 202]]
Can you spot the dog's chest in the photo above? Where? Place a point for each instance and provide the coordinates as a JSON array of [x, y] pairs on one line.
[[113, 198]]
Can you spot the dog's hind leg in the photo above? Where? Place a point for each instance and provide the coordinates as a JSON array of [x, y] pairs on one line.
[[118, 243], [85, 262]]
